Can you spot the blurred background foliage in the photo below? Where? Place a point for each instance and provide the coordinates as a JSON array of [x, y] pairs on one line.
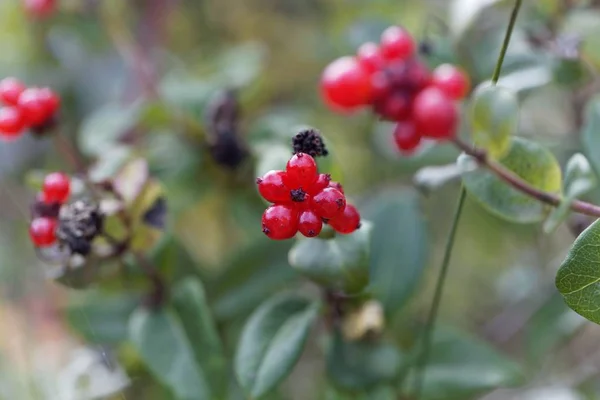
[[136, 79]]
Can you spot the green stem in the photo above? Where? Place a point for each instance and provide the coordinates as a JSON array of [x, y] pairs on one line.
[[509, 30], [437, 297]]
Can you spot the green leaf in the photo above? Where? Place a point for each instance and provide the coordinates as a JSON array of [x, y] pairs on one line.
[[340, 263], [462, 367], [533, 163], [494, 118], [190, 304], [272, 342], [162, 344], [463, 13], [579, 275], [579, 179], [362, 365], [398, 247], [590, 134], [240, 65], [101, 318]]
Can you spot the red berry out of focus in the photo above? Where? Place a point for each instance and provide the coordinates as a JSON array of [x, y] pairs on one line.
[[452, 81], [396, 107], [10, 90], [370, 58], [33, 104], [42, 231], [309, 224], [329, 203], [346, 84], [11, 123], [406, 137], [56, 188], [435, 114], [396, 43], [39, 8], [280, 222], [347, 222]]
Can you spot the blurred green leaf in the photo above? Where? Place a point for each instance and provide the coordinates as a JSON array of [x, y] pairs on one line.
[[533, 163], [585, 23], [272, 156], [240, 65], [109, 163], [363, 364], [590, 133], [101, 318], [161, 341], [461, 367], [190, 304], [579, 179], [463, 13], [131, 179], [340, 263], [186, 92], [525, 79], [494, 118], [399, 248], [579, 275], [272, 342]]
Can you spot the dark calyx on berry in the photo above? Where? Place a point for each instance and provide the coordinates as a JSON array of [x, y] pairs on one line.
[[40, 208], [78, 224], [298, 195], [309, 141]]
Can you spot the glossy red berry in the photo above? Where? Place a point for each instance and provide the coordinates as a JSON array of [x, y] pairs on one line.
[[451, 80], [33, 104], [418, 76], [347, 222], [11, 123], [435, 114], [42, 231], [309, 224], [395, 107], [321, 183], [396, 43], [406, 137], [370, 58], [50, 99], [280, 221], [336, 185], [10, 90], [40, 8], [380, 86], [56, 188], [272, 188], [301, 171], [329, 203], [345, 84]]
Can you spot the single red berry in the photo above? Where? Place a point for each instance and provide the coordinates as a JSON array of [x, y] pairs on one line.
[[309, 224], [396, 107], [380, 86], [56, 188], [301, 171], [370, 58], [435, 114], [329, 203], [407, 137], [272, 188], [321, 183], [418, 76], [10, 90], [11, 123], [345, 84], [451, 80], [396, 43], [347, 222], [50, 99], [42, 231], [34, 106], [40, 8], [336, 185], [280, 221]]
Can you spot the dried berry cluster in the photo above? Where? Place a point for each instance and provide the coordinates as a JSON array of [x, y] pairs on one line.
[[399, 87]]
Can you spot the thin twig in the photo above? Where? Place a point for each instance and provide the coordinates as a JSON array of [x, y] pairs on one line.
[[504, 48]]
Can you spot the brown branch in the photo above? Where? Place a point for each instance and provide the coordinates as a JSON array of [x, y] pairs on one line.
[[521, 185]]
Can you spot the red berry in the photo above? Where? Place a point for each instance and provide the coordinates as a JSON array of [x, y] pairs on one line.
[[370, 58], [56, 188], [396, 107], [336, 185], [345, 84], [33, 103], [347, 222], [418, 75], [11, 122], [50, 99], [451, 80], [40, 8], [435, 114], [309, 224], [42, 231], [301, 200], [322, 182], [272, 188], [396, 43], [380, 86], [10, 90], [329, 203], [406, 137], [301, 171], [280, 221]]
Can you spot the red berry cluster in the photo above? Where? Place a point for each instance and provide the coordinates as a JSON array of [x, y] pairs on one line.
[[303, 200], [55, 191], [399, 87], [39, 8], [25, 107]]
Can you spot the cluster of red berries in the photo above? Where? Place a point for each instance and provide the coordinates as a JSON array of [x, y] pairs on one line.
[[55, 192], [399, 87], [304, 200], [24, 108]]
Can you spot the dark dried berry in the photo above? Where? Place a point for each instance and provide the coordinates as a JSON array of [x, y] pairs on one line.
[[78, 224], [309, 141]]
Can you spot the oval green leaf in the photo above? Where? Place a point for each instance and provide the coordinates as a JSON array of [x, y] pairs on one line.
[[533, 163], [272, 341], [340, 263], [494, 117], [578, 278]]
